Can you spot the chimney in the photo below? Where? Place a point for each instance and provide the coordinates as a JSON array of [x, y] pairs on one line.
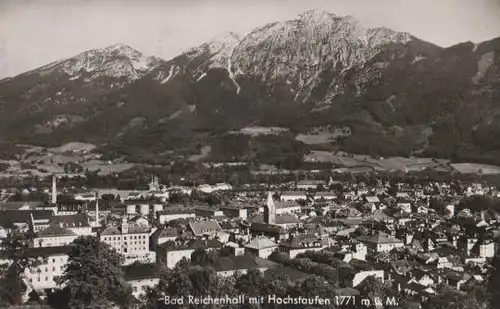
[[54, 189], [97, 208]]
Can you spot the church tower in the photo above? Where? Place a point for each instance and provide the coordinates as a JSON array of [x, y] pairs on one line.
[[270, 210]]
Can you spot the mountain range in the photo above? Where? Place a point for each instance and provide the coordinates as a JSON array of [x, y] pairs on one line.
[[394, 94]]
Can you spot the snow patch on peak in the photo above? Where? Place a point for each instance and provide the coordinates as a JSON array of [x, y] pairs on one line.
[[221, 48], [119, 61], [316, 16], [171, 73]]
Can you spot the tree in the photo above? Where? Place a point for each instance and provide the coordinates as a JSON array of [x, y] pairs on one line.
[[373, 288], [213, 200], [493, 291], [14, 249], [250, 283], [94, 277], [193, 280]]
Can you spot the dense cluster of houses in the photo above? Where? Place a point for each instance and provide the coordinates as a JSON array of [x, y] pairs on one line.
[[395, 233]]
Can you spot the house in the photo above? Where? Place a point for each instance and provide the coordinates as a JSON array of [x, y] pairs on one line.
[[205, 188], [230, 227], [85, 196], [362, 275], [229, 266], [171, 253], [310, 184], [484, 249], [422, 278], [302, 243], [162, 235], [222, 187], [288, 207], [175, 213], [327, 196], [234, 212], [404, 208], [141, 277], [53, 236], [208, 212], [78, 224], [25, 219], [261, 247], [260, 228], [286, 221], [381, 242], [292, 196], [205, 228]]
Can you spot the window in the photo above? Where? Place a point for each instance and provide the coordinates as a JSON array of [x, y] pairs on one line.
[[54, 268], [46, 278], [135, 289], [53, 260]]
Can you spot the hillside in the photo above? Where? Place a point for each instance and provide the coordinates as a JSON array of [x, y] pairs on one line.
[[393, 93]]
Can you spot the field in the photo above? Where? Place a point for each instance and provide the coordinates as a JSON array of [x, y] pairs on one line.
[[73, 147], [42, 162], [473, 168], [381, 164], [320, 136]]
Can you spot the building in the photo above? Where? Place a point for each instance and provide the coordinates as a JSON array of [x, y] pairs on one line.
[[261, 247], [288, 207], [175, 213], [205, 188], [293, 196], [205, 228], [361, 276], [55, 259], [302, 243], [310, 184], [234, 212], [171, 253], [381, 242], [54, 236], [85, 197], [131, 240], [163, 235], [78, 224], [209, 212], [141, 277], [327, 196], [241, 264]]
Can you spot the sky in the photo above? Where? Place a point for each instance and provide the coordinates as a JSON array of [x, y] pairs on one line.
[[36, 32]]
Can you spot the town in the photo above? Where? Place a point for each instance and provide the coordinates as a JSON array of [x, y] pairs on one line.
[[406, 241]]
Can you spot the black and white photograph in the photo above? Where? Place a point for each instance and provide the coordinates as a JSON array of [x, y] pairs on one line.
[[255, 154]]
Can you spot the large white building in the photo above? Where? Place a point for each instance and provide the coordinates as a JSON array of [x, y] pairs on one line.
[[42, 277], [131, 240]]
